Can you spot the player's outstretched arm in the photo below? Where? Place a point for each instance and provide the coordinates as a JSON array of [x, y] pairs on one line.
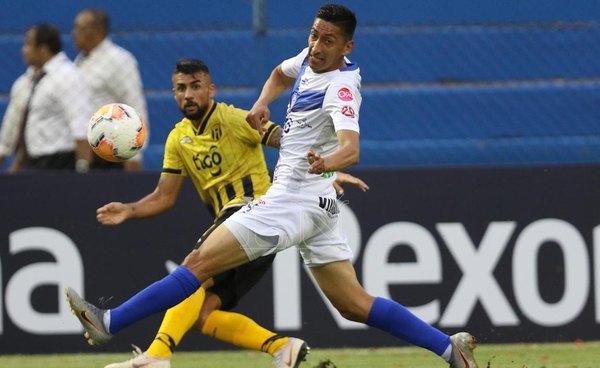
[[159, 201]]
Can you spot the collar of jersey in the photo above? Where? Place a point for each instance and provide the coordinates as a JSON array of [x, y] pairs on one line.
[[204, 122]]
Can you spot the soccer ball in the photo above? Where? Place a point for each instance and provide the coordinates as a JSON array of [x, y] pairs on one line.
[[116, 132]]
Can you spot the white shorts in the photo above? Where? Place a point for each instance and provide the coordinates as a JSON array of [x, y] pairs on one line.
[[280, 220]]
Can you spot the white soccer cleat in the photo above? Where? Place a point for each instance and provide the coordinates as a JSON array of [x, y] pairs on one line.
[[292, 354], [463, 344], [90, 317], [142, 360]]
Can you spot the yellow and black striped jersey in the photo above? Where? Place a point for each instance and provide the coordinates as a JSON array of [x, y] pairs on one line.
[[223, 156]]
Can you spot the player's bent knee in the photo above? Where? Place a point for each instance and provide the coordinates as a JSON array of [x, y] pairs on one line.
[[197, 264]]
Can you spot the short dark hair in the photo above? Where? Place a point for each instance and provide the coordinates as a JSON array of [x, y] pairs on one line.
[[340, 16], [47, 34], [100, 19], [190, 66]]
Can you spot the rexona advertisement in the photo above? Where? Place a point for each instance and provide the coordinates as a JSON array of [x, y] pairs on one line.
[[509, 254]]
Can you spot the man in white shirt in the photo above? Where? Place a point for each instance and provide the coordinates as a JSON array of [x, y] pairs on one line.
[[46, 121], [110, 70]]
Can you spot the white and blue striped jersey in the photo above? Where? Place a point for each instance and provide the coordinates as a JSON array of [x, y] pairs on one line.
[[320, 105]]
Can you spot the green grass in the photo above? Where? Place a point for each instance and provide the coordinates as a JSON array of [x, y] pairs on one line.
[[560, 355]]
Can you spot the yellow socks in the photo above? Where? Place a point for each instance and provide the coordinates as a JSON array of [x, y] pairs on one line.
[[177, 321], [242, 331], [230, 327]]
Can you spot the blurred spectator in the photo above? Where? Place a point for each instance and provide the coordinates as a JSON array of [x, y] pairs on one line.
[[46, 120], [111, 71]]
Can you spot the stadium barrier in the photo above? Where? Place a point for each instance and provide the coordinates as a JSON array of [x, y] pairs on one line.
[[511, 254]]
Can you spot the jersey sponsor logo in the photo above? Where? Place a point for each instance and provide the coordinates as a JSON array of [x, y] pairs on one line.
[[344, 94], [210, 161], [348, 111]]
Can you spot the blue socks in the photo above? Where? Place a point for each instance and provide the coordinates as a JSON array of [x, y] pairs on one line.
[[385, 314], [157, 297], [397, 320]]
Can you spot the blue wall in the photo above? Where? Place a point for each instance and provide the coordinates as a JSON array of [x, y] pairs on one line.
[[444, 82]]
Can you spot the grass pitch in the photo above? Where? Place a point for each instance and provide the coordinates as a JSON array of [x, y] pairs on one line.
[[558, 355]]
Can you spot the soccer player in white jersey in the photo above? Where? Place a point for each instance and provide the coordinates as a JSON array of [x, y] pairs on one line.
[[321, 136]]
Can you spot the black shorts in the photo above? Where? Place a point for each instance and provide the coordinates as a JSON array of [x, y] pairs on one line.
[[230, 286]]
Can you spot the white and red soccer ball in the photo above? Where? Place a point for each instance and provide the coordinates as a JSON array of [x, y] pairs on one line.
[[116, 132]]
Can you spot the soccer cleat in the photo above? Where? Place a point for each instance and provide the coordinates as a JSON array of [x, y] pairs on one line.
[[463, 344], [90, 317], [292, 354], [142, 360]]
